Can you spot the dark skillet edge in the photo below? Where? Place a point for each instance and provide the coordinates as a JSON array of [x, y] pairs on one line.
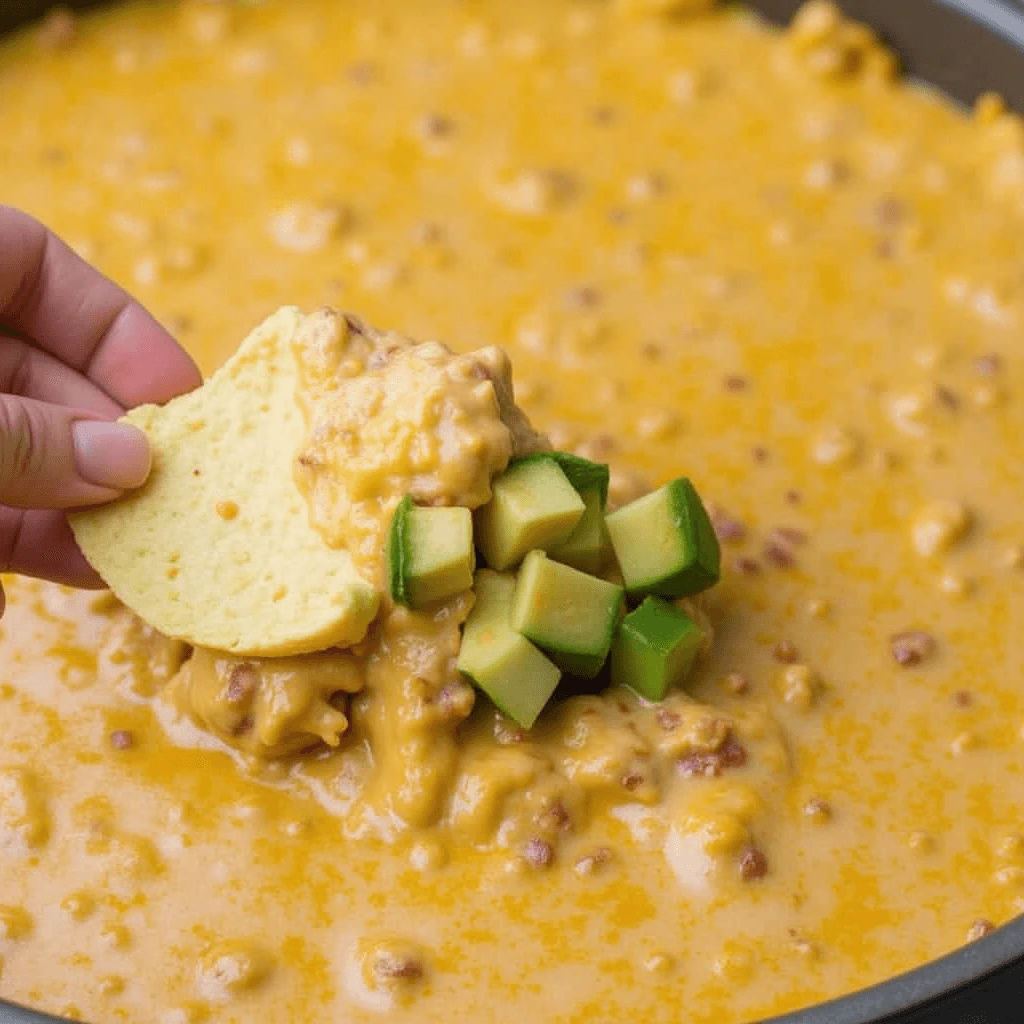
[[10, 1014], [974, 979], [964, 48], [943, 42]]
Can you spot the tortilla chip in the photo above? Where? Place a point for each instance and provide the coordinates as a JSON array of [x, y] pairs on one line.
[[217, 548]]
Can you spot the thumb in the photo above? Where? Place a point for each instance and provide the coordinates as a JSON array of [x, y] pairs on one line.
[[55, 457]]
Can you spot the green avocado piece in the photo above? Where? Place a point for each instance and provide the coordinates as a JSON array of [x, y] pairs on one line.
[[583, 474], [664, 542], [589, 544], [430, 553], [568, 613], [655, 648], [396, 551], [499, 660], [532, 505]]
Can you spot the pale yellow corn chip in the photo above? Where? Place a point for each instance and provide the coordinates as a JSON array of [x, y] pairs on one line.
[[217, 548]]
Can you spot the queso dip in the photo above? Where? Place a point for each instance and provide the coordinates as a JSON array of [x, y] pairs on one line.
[[710, 248]]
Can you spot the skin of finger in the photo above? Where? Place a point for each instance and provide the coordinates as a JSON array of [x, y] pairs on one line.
[[37, 457], [41, 544], [50, 295], [135, 365], [32, 373]]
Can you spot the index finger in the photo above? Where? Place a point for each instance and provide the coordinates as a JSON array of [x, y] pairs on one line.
[[50, 296]]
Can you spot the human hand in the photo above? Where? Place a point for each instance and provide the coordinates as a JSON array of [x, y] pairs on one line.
[[75, 352]]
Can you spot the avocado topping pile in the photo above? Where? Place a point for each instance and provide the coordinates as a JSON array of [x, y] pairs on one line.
[[562, 575]]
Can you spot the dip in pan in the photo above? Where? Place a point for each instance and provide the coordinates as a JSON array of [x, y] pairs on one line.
[[714, 249]]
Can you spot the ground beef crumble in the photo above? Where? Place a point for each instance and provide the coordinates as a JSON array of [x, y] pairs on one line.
[[753, 864], [912, 647], [711, 764]]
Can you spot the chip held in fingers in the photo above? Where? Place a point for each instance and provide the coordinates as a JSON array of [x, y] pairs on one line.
[[217, 548]]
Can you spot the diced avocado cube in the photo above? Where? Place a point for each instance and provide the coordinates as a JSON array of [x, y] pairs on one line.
[[532, 505], [588, 545], [583, 474], [655, 648], [569, 614], [430, 553], [499, 660], [664, 542]]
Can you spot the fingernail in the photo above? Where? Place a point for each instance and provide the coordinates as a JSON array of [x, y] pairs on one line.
[[115, 455]]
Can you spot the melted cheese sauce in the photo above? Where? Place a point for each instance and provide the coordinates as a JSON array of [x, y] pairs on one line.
[[387, 417], [710, 248]]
